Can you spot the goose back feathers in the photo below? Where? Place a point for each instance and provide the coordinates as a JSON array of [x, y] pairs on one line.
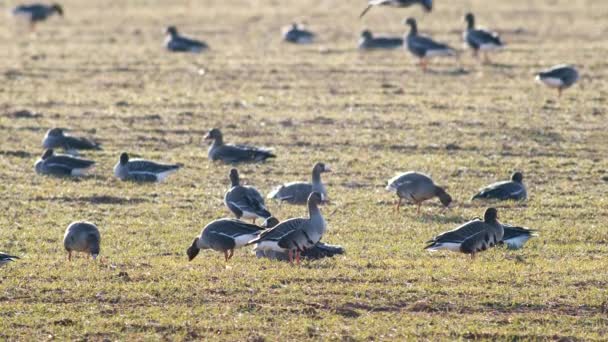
[[229, 153], [61, 165]]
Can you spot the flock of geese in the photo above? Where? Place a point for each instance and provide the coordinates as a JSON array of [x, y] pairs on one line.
[[296, 238]]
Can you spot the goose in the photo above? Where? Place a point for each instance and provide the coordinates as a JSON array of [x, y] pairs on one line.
[[141, 170], [244, 201], [56, 138], [296, 234], [298, 192], [514, 189], [424, 47], [177, 43], [296, 34], [223, 235], [369, 42], [35, 13], [560, 76], [472, 237], [229, 153], [61, 165], [82, 236], [6, 258], [416, 187], [516, 237], [479, 39], [427, 5]]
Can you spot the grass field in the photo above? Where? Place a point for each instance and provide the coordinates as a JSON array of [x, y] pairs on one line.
[[102, 72]]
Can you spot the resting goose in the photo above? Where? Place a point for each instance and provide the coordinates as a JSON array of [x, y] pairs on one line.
[[223, 235], [61, 164], [298, 192], [480, 39], [424, 47], [83, 237], [229, 153], [141, 170], [426, 4], [416, 187], [472, 237], [514, 189], [37, 12], [56, 138], [295, 235], [369, 42], [178, 43], [560, 77], [6, 258], [294, 33], [244, 201]]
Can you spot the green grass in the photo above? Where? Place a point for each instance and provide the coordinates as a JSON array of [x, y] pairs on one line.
[[101, 72]]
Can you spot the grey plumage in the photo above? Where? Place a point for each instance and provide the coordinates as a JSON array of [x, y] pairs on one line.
[[318, 251], [479, 39], [560, 77], [61, 165], [427, 5], [56, 138], [298, 192], [244, 201], [82, 236], [6, 258], [229, 153], [178, 43], [296, 34], [37, 12], [424, 47], [369, 42], [513, 189], [416, 187], [141, 170]]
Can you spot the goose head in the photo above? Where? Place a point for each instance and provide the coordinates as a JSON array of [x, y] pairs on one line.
[[469, 18], [193, 250], [124, 158], [55, 132], [517, 177], [270, 222], [171, 30], [57, 9], [366, 34], [444, 197], [234, 177], [214, 134], [491, 215]]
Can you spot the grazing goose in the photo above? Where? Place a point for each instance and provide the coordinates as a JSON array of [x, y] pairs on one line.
[[6, 258], [56, 138], [244, 201], [141, 170], [424, 47], [472, 237], [296, 234], [560, 77], [82, 236], [294, 33], [178, 43], [480, 39], [37, 12], [229, 153], [298, 192], [369, 42], [506, 190], [426, 4], [223, 235], [61, 164], [416, 187]]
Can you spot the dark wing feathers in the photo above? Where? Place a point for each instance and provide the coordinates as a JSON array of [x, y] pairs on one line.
[[280, 230], [149, 166], [68, 162], [79, 144], [480, 37], [240, 153], [502, 191], [460, 233]]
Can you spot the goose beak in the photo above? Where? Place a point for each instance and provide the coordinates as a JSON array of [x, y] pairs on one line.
[[94, 256], [327, 169]]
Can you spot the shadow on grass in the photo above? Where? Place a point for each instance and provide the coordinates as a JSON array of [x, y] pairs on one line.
[[103, 199]]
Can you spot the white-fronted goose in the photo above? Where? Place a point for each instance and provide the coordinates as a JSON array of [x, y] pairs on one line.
[[6, 258], [560, 77], [426, 4], [223, 235], [61, 165], [369, 42], [141, 170], [56, 138], [296, 34], [229, 153], [416, 187], [82, 236], [424, 47], [479, 39], [35, 13], [177, 43], [515, 189], [244, 201], [298, 192]]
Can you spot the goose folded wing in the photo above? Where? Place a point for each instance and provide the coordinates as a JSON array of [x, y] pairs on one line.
[[461, 233], [280, 230], [149, 166], [481, 37], [501, 190], [69, 162], [79, 143]]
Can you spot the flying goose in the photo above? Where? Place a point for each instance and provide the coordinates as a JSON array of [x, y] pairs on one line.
[[298, 192], [56, 138], [295, 235], [223, 235], [82, 236], [369, 42], [472, 237], [35, 13], [141, 170], [178, 43], [244, 201], [61, 164], [416, 187], [296, 34], [479, 39], [560, 77], [506, 190], [426, 4], [229, 153], [6, 258], [424, 47]]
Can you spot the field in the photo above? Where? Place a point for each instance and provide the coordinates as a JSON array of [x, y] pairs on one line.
[[101, 71]]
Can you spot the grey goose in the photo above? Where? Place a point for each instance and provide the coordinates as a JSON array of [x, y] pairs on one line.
[[141, 170], [369, 42], [479, 39], [82, 236], [427, 5], [416, 187], [424, 47], [513, 189], [298, 192], [177, 43], [6, 258], [297, 34], [56, 138], [61, 165], [559, 77], [229, 153], [244, 201], [35, 13]]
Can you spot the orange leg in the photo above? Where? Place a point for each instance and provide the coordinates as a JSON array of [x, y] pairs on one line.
[[298, 257], [69, 255], [231, 254], [423, 64], [418, 211], [472, 256], [290, 255], [559, 92], [226, 256], [398, 204]]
